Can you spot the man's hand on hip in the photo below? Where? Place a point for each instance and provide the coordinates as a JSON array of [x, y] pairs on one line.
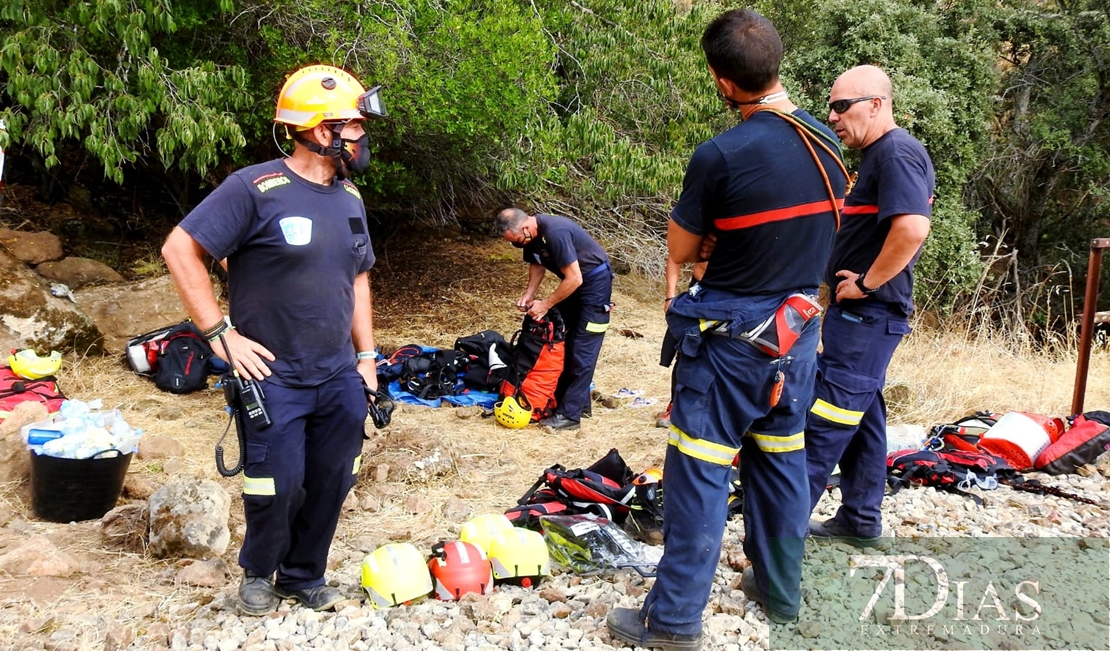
[[247, 356]]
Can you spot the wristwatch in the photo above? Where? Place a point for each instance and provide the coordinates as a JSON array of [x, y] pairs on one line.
[[867, 291]]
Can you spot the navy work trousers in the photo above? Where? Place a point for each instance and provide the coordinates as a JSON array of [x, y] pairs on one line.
[[722, 402], [298, 473], [847, 423], [586, 314]]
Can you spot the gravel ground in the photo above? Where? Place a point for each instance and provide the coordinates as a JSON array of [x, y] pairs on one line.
[[568, 612]]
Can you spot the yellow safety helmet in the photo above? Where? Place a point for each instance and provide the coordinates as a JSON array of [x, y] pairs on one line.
[[28, 365], [321, 93], [519, 555], [395, 574], [513, 412], [482, 529]]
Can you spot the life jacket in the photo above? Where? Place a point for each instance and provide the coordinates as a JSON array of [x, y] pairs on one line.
[[14, 390], [538, 354]]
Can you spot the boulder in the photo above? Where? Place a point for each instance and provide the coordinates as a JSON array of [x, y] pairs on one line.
[[188, 518], [30, 317], [79, 272], [123, 311], [32, 248]]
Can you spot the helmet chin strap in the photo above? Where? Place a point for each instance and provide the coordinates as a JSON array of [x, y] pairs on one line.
[[336, 151]]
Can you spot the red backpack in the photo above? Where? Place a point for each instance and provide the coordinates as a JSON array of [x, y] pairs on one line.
[[1085, 440], [537, 362], [14, 390]]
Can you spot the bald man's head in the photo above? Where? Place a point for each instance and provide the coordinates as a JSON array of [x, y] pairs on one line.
[[859, 106], [866, 80]]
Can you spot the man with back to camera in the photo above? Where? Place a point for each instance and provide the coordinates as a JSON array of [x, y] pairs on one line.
[[886, 221], [768, 191], [294, 235], [583, 295]]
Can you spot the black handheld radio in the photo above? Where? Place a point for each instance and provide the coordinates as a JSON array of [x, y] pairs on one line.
[[245, 399]]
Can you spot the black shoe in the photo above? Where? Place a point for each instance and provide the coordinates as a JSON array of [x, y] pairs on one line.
[[558, 422], [588, 412], [626, 625], [832, 530], [321, 597], [751, 591], [256, 595]]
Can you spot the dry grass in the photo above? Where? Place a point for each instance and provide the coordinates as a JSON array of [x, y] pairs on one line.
[[433, 294]]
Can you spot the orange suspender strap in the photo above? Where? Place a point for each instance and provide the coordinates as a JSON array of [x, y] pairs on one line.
[[807, 137]]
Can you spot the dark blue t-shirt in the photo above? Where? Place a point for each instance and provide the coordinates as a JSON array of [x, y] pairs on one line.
[[293, 249], [895, 177], [758, 189], [560, 242]]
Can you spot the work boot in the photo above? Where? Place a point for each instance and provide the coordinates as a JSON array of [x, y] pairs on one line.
[[320, 597], [559, 422], [833, 530], [664, 419], [256, 595], [751, 591], [626, 625]]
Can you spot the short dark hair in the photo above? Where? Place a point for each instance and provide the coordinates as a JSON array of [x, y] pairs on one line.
[[510, 220], [745, 48]]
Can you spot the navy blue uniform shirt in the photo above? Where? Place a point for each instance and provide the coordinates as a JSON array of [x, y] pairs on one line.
[[293, 250], [559, 243], [757, 188], [895, 177]]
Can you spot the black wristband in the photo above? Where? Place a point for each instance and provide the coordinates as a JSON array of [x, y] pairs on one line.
[[867, 291]]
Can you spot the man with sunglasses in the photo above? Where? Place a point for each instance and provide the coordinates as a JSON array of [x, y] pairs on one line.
[[767, 193], [870, 275], [559, 245], [294, 237]]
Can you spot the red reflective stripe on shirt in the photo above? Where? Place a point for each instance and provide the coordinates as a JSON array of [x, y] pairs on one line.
[[776, 215], [861, 210]]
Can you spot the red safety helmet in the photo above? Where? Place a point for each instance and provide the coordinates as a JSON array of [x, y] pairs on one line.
[[458, 568]]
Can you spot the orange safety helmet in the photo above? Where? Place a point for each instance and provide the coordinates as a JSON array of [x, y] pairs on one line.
[[320, 93], [459, 568]]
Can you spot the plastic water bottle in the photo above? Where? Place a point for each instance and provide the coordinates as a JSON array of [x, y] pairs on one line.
[[39, 436]]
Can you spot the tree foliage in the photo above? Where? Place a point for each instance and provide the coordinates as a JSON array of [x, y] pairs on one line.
[[941, 62], [92, 72], [589, 108]]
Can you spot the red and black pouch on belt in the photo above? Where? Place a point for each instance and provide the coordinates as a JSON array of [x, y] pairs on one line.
[[777, 334]]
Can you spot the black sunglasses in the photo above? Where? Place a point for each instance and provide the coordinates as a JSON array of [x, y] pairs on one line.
[[842, 105]]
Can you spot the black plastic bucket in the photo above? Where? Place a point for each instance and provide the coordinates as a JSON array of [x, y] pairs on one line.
[[71, 490]]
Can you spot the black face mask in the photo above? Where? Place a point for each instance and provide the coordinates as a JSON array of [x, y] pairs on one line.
[[519, 245], [360, 159]]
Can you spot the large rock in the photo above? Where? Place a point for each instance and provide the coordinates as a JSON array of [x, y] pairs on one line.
[[79, 272], [32, 248], [188, 518], [31, 318], [123, 311], [37, 556]]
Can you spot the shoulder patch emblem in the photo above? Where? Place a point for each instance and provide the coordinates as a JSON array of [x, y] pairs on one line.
[[270, 181], [350, 187]]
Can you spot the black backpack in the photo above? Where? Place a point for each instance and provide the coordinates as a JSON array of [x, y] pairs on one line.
[[182, 360], [431, 375], [487, 356]]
